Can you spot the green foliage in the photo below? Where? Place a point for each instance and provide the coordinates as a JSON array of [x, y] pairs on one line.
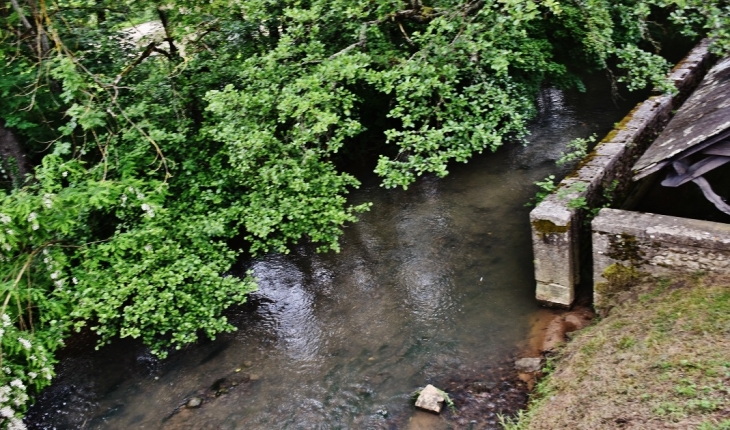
[[546, 187], [152, 155], [571, 193], [643, 68], [576, 149], [710, 425]]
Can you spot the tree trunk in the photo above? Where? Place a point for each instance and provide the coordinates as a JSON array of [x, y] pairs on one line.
[[14, 162]]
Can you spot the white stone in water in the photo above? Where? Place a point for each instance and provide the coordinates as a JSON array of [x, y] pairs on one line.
[[528, 365], [430, 399], [194, 402]]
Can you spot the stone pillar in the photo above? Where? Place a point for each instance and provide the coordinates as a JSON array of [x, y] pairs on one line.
[[554, 244]]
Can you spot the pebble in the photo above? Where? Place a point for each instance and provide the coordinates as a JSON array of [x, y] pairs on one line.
[[194, 402]]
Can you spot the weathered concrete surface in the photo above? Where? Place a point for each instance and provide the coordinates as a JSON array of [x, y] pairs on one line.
[[430, 399], [556, 269], [643, 243], [558, 221]]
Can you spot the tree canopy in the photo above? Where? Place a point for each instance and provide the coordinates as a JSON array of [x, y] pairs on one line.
[[138, 167]]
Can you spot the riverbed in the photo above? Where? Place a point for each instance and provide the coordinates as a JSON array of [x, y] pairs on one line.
[[433, 285]]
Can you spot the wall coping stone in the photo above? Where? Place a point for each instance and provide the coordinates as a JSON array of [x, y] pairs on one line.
[[664, 228]]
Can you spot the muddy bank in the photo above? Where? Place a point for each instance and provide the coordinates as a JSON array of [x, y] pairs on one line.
[[555, 328]]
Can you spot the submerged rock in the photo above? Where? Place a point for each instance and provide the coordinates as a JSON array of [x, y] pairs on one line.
[[528, 365], [481, 387], [430, 399], [194, 402]]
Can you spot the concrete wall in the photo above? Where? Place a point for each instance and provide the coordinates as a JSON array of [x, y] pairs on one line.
[[629, 244], [557, 225]]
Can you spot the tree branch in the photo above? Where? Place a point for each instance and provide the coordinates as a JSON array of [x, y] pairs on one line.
[[146, 53], [168, 36], [13, 156], [361, 41], [21, 15], [402, 30]]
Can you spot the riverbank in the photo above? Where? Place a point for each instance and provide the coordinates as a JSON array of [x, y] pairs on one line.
[[660, 359]]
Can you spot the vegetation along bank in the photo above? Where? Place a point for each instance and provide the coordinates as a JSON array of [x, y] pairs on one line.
[[137, 171], [660, 359]]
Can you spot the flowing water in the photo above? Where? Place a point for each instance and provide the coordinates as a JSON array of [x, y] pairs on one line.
[[433, 282]]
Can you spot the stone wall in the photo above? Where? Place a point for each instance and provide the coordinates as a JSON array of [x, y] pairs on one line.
[[628, 244], [558, 222]]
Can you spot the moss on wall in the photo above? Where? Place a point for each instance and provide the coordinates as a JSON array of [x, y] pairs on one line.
[[543, 227], [625, 247], [619, 277]]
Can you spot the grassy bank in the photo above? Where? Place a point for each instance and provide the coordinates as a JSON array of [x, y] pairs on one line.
[[660, 359]]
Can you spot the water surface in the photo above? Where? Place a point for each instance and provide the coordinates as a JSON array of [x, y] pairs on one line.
[[432, 282]]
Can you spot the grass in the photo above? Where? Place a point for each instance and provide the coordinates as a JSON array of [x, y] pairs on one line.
[[660, 359]]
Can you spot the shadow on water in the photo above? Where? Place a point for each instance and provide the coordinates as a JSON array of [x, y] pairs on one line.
[[433, 285]]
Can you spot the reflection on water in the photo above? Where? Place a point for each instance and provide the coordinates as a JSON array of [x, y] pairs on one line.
[[433, 281]]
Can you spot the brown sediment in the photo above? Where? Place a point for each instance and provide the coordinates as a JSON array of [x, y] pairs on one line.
[[555, 332], [549, 329], [539, 323]]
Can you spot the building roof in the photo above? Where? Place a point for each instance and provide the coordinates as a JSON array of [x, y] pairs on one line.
[[702, 123]]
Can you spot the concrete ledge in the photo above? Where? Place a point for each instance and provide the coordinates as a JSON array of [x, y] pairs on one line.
[[644, 243], [558, 221]]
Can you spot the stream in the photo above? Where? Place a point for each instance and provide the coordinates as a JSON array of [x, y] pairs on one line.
[[433, 285]]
